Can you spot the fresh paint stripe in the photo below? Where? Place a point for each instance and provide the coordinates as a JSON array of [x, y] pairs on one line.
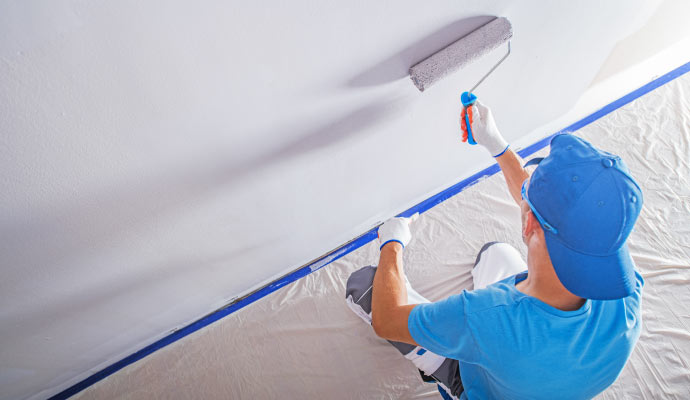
[[359, 241]]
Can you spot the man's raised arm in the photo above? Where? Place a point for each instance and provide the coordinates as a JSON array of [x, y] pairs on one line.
[[485, 132]]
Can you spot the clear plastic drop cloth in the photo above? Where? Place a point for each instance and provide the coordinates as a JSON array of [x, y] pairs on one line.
[[303, 342]]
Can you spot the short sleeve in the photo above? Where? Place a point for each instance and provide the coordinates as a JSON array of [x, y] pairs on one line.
[[442, 328]]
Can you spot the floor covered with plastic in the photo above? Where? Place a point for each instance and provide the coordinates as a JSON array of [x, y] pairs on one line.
[[302, 341]]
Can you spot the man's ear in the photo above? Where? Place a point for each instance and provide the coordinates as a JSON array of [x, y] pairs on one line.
[[530, 225]]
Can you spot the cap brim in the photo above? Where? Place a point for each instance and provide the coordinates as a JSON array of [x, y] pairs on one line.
[[593, 277]]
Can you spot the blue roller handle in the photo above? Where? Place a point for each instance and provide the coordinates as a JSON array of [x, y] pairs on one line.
[[468, 99]]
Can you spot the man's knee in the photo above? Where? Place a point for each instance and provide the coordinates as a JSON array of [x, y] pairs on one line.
[[482, 250], [359, 287]]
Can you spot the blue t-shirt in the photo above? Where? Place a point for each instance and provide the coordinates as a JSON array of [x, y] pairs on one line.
[[514, 346]]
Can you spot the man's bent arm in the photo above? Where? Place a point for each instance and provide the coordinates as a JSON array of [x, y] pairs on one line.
[[511, 166], [389, 308]]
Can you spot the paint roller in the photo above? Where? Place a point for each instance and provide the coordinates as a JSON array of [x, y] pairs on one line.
[[459, 54]]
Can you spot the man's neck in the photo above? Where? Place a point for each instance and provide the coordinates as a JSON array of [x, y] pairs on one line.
[[542, 283]]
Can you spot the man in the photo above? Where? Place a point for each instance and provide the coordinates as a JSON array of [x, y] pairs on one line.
[[564, 328]]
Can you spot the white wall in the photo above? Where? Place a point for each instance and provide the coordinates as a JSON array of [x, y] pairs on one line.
[[160, 158]]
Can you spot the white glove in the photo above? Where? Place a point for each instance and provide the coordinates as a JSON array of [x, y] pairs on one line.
[[484, 129], [396, 230]]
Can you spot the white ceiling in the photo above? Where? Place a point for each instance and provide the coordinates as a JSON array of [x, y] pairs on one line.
[[160, 158]]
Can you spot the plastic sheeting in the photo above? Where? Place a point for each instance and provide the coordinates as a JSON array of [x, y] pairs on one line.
[[302, 342]]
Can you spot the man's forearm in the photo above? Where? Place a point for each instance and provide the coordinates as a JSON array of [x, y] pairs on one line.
[[389, 283], [389, 308], [511, 165]]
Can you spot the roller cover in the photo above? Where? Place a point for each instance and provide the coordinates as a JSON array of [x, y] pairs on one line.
[[461, 52]]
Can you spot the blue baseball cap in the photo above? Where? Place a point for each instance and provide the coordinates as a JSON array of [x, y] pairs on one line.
[[588, 204]]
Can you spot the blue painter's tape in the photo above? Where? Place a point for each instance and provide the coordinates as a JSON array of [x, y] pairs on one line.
[[359, 241], [609, 108]]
